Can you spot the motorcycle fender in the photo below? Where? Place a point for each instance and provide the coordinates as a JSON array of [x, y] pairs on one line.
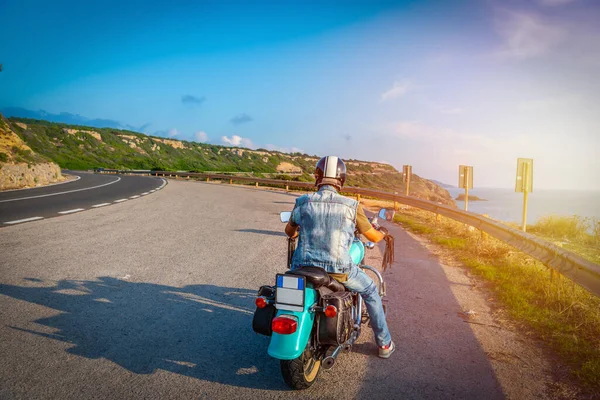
[[289, 347]]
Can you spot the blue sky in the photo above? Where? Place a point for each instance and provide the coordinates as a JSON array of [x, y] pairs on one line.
[[433, 84]]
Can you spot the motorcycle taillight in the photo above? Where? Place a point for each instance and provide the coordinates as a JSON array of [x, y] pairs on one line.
[[284, 324], [330, 311]]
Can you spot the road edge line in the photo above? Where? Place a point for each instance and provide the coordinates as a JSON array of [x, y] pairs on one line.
[[19, 221]]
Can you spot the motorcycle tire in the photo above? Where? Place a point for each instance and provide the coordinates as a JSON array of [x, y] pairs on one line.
[[300, 373]]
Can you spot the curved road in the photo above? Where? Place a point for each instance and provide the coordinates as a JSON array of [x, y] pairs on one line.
[[154, 299], [89, 191]]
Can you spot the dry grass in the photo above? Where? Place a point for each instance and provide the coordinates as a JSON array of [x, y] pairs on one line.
[[376, 204], [561, 313], [578, 234], [565, 227], [11, 145]]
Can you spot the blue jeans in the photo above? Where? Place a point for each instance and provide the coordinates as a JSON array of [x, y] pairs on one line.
[[358, 281]]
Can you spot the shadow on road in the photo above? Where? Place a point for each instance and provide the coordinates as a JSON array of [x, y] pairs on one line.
[[263, 232], [200, 331], [437, 355]]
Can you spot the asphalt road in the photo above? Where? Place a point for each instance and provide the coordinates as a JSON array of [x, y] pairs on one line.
[[89, 191], [153, 299]]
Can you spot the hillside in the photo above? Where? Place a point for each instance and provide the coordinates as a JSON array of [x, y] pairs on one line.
[[79, 147], [442, 184], [21, 167]]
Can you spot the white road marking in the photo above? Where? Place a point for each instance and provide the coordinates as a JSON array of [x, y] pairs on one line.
[[164, 183], [210, 302], [56, 194], [23, 220], [145, 193], [120, 200], [101, 205], [71, 211], [135, 197]]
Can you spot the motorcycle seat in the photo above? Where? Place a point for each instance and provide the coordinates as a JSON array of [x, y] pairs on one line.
[[318, 277]]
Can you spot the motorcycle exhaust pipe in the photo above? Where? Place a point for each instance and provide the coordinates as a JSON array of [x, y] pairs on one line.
[[329, 361]]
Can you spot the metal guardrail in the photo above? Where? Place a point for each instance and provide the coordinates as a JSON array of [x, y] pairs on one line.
[[581, 271]]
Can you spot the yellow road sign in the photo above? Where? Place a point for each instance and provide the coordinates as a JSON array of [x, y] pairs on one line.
[[465, 177], [406, 174], [524, 181]]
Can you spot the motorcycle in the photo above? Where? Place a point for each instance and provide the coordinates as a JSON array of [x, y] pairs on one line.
[[310, 316]]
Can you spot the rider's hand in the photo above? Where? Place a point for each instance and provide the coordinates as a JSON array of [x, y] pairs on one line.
[[383, 230]]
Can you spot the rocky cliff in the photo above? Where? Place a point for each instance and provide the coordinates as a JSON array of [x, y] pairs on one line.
[[20, 166]]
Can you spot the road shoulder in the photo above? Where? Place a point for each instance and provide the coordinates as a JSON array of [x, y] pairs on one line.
[[523, 367]]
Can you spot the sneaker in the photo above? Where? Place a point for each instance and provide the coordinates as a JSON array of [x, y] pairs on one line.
[[386, 351]]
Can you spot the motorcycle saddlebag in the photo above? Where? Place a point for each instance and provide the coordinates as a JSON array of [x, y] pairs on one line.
[[336, 331], [261, 323]]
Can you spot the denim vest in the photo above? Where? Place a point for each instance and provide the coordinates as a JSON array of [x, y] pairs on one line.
[[327, 223]]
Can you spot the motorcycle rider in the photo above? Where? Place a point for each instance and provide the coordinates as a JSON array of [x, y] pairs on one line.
[[327, 222]]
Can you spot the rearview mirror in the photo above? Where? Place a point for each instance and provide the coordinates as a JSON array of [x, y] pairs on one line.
[[285, 216], [386, 214]]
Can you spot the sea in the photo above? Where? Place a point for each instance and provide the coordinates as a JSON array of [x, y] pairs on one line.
[[507, 205]]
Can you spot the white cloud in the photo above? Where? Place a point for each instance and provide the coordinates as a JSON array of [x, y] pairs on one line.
[[440, 136], [238, 141], [172, 132], [272, 147], [552, 3], [398, 90], [527, 35], [200, 137]]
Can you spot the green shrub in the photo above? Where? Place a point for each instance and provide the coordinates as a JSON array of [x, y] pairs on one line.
[[595, 223], [412, 224], [3, 157], [453, 243], [561, 227]]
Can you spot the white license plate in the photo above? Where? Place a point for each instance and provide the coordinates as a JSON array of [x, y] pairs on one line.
[[290, 292]]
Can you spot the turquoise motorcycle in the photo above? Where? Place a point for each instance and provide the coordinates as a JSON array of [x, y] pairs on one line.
[[311, 317]]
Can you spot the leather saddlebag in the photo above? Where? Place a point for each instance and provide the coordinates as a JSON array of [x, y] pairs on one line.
[[261, 323], [336, 331]]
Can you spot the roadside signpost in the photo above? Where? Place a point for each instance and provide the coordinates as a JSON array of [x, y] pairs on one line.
[[465, 180], [406, 174], [524, 184]]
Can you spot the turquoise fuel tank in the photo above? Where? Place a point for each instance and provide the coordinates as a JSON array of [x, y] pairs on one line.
[[357, 251]]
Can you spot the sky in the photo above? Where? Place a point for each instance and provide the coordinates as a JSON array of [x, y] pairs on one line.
[[433, 84]]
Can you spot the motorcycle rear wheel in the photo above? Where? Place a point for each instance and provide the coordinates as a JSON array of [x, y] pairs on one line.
[[300, 373]]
